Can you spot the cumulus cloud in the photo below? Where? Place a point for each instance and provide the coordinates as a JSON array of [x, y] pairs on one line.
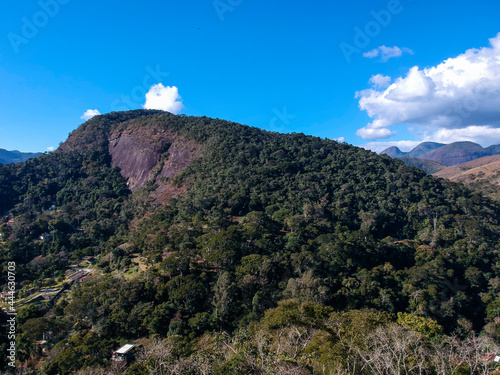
[[373, 133], [404, 146], [89, 113], [371, 54], [51, 148], [166, 98], [484, 135], [387, 53], [380, 81], [459, 99], [339, 139]]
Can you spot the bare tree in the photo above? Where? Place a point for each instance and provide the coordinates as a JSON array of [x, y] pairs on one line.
[[116, 368], [158, 355], [391, 349], [452, 354]]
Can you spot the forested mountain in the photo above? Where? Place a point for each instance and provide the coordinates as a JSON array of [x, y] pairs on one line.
[[7, 157], [225, 249]]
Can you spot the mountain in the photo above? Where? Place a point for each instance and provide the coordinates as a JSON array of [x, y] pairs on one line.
[[424, 148], [7, 157], [456, 153], [393, 152], [211, 244], [445, 155], [493, 150], [411, 158]]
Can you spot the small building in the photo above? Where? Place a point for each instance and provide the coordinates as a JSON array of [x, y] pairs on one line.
[[125, 353]]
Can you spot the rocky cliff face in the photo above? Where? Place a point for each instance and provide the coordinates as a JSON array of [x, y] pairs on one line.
[[143, 153], [151, 154]]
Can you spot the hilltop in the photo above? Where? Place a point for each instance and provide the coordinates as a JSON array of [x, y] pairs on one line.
[[215, 237]]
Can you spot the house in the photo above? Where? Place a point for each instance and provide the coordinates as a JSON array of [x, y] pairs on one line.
[[125, 353]]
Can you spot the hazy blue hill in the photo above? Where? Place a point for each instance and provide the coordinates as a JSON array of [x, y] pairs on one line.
[[424, 148], [493, 150], [393, 152], [442, 154], [456, 153], [15, 156]]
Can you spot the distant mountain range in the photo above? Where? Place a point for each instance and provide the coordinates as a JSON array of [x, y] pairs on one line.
[[432, 156], [418, 151], [7, 157], [466, 162]]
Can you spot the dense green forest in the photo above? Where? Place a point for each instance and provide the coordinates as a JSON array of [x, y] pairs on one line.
[[286, 254]]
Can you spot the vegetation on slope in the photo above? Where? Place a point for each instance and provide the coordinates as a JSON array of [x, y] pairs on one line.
[[276, 235]]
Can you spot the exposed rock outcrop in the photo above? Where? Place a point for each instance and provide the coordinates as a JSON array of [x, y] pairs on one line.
[[143, 152], [151, 154]]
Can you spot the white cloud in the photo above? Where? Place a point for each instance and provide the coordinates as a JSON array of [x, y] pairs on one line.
[[484, 135], [387, 53], [371, 54], [50, 148], [459, 99], [89, 113], [380, 81], [373, 133], [404, 146], [339, 139], [166, 98]]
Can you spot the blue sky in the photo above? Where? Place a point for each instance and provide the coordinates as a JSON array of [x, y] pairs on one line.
[[278, 65]]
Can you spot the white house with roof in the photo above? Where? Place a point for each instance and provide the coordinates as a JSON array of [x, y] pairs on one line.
[[124, 353]]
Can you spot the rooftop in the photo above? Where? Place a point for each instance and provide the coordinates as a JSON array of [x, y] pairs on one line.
[[124, 349]]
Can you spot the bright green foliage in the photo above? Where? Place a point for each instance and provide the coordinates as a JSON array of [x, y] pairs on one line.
[[425, 326]]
